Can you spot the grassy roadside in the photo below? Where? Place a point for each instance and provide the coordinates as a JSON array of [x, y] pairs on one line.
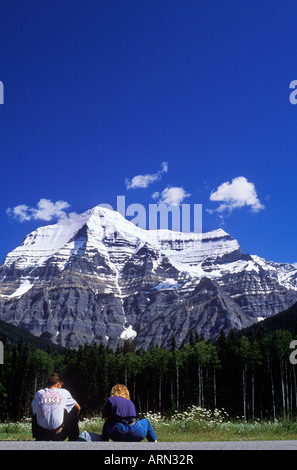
[[194, 425]]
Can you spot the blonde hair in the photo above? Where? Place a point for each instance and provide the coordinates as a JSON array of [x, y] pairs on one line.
[[120, 390]]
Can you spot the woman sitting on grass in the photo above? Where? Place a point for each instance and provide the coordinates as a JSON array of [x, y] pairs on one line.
[[120, 419], [121, 424]]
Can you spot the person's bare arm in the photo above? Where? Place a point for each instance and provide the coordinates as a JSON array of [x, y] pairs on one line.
[[78, 407]]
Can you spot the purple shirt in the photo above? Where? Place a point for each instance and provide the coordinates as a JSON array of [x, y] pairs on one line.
[[119, 409]]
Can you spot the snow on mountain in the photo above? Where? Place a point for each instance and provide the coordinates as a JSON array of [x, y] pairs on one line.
[[104, 227], [98, 277]]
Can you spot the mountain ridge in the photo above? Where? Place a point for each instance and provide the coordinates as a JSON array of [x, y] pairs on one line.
[[98, 277]]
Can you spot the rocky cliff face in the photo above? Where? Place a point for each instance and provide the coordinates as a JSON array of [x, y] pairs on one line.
[[98, 277]]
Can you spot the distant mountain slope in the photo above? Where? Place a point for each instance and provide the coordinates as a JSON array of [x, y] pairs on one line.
[[286, 320], [14, 335], [98, 277]]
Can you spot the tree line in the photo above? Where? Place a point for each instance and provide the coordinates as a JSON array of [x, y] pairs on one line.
[[249, 376]]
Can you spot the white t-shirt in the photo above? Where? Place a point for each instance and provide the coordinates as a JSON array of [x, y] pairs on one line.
[[49, 405]]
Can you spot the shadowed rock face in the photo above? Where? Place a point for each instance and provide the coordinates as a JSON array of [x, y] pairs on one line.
[[101, 278]]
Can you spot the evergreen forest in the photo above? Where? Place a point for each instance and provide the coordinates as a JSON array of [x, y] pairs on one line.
[[249, 376]]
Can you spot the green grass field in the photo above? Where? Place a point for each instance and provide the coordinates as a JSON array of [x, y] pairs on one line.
[[196, 424]]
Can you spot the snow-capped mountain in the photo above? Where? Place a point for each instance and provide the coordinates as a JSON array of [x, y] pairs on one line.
[[98, 277]]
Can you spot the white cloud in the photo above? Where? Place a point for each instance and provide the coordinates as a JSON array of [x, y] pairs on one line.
[[173, 195], [45, 210], [143, 181], [19, 212], [237, 194]]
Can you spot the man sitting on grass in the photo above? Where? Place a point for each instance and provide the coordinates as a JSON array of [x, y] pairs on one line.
[[55, 412]]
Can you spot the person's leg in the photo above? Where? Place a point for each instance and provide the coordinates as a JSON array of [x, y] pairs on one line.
[[39, 433], [120, 433], [42, 435], [142, 429], [106, 431], [150, 433], [137, 432], [34, 427], [70, 426], [124, 433]]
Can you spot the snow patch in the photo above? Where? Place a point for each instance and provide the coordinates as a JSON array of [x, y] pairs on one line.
[[128, 333], [168, 284], [22, 289]]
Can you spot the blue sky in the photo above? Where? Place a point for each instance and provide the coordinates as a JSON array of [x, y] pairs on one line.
[[190, 96]]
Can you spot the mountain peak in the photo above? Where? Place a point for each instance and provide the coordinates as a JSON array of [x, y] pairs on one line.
[[96, 276], [103, 227]]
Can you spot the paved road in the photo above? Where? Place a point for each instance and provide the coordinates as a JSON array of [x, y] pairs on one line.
[[132, 447]]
